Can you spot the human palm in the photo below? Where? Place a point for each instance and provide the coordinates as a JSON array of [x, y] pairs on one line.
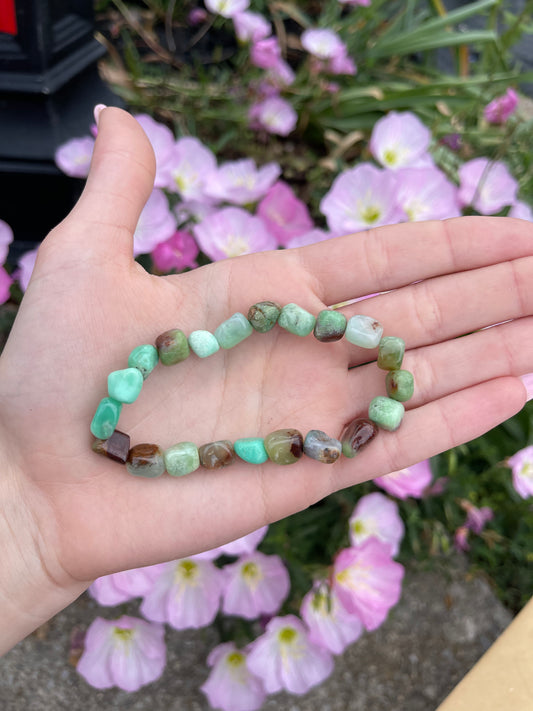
[[89, 304]]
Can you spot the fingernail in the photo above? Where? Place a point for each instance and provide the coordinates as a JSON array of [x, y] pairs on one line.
[[528, 384], [97, 111]]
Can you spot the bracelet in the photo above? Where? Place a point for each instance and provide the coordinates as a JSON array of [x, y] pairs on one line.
[[284, 446]]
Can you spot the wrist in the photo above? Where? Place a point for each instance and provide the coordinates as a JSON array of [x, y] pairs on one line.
[[33, 586]]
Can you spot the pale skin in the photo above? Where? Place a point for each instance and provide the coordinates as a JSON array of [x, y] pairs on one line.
[[68, 516]]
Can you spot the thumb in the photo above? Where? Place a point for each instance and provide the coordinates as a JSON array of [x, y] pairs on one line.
[[119, 183]]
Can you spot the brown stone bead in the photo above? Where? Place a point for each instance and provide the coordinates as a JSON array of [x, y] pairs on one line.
[[116, 447], [357, 434], [216, 455], [146, 460]]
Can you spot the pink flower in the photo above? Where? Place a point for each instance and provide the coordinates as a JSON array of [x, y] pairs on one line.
[[74, 156], [187, 167], [226, 8], [266, 53], [127, 653], [280, 74], [196, 16], [476, 518], [156, 224], [323, 43], [411, 481], [251, 27], [426, 194], [376, 515], [25, 265], [284, 215], [460, 539], [522, 465], [330, 624], [500, 108], [231, 686], [186, 594], [274, 115], [176, 253], [231, 232], [363, 3], [5, 284], [284, 657], [256, 584], [367, 581], [360, 198], [6, 237], [522, 211], [342, 64], [311, 237], [120, 587], [487, 186], [241, 546], [162, 140], [241, 182], [399, 139]]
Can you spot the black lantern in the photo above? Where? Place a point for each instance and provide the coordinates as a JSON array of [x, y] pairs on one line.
[[48, 85]]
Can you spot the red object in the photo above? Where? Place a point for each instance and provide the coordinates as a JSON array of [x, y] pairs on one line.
[[8, 18]]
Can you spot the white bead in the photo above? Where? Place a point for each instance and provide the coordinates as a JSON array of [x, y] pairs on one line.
[[364, 331]]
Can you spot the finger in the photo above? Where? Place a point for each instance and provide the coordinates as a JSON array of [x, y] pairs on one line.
[[435, 427], [389, 257], [120, 181], [445, 368], [435, 310]]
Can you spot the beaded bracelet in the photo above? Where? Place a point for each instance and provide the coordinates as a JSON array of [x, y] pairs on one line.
[[284, 446]]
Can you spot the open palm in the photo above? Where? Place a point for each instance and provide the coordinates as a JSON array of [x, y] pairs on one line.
[[89, 304]]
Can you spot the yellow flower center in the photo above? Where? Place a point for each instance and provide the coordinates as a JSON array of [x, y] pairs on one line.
[[124, 635], [390, 157], [187, 570], [287, 635], [235, 246], [370, 214], [527, 470], [358, 527], [235, 659]]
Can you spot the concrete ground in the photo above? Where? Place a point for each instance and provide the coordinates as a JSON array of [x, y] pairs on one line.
[[443, 624]]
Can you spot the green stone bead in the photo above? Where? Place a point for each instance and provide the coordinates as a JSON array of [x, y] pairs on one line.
[[106, 418], [284, 446], [400, 385], [356, 434], [390, 353], [386, 413], [125, 385], [264, 315], [330, 326], [320, 446], [146, 460], [234, 330], [172, 347], [251, 449], [296, 320], [144, 358], [181, 459], [203, 343]]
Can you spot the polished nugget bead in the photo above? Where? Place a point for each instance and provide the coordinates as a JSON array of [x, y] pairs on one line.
[[264, 315], [356, 434], [146, 460], [330, 326], [216, 455], [172, 347], [400, 385], [364, 331], [284, 446], [386, 413], [181, 459], [251, 449], [296, 320], [106, 418], [203, 343], [116, 447], [390, 354], [144, 358], [234, 330], [125, 385], [320, 446]]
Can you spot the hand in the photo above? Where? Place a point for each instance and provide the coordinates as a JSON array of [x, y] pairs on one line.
[[71, 515]]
